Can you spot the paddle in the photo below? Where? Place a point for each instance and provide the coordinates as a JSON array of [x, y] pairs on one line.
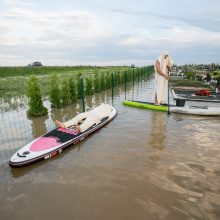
[[168, 95]]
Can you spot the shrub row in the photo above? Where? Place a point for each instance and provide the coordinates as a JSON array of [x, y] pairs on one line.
[[66, 91]]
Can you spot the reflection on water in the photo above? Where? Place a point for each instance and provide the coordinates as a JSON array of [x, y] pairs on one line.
[[38, 126], [142, 165], [158, 132], [9, 103]]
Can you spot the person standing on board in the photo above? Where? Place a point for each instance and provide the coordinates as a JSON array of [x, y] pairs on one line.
[[162, 66]]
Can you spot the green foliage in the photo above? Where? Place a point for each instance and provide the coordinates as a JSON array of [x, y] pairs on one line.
[[118, 78], [72, 89], [127, 76], [149, 70], [55, 92], [35, 102], [15, 84], [102, 83], [41, 70], [89, 86], [133, 75], [97, 87], [65, 92], [108, 81], [113, 79], [190, 75], [124, 76], [79, 85], [136, 74], [216, 73]]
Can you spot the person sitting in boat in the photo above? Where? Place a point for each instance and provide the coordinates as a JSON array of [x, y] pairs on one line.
[[162, 66], [85, 120]]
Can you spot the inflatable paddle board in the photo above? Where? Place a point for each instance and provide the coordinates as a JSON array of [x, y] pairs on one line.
[[53, 143], [191, 109]]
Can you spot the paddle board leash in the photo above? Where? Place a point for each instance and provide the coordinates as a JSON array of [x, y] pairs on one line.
[[168, 95]]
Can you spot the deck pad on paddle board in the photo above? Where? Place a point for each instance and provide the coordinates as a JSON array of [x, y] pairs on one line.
[[53, 143]]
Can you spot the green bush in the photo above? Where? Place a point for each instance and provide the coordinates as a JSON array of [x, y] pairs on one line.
[[79, 85], [97, 87], [89, 86], [215, 73], [113, 79], [118, 78], [102, 83], [36, 107], [55, 92], [65, 92], [190, 75], [129, 75], [72, 89], [108, 81]]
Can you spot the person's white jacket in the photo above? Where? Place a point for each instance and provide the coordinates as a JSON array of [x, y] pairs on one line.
[[90, 118], [161, 87]]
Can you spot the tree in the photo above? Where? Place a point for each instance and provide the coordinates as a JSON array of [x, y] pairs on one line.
[[72, 89], [79, 85], [190, 75], [89, 86], [55, 92], [97, 87], [36, 107], [108, 81], [103, 82], [65, 92], [118, 78], [215, 73]]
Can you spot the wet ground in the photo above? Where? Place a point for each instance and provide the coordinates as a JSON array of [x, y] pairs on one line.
[[142, 165]]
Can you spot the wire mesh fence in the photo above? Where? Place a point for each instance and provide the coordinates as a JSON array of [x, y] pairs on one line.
[[17, 129]]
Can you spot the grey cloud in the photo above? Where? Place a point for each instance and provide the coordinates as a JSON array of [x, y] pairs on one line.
[[109, 51], [68, 40], [204, 20]]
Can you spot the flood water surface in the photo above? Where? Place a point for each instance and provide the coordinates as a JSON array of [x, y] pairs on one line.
[[142, 165]]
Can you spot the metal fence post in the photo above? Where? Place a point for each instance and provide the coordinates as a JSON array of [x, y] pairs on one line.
[[125, 83], [112, 86]]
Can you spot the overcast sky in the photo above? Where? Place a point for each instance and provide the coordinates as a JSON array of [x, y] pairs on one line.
[[108, 32]]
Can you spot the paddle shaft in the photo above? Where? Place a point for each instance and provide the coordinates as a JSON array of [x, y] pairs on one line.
[[168, 94]]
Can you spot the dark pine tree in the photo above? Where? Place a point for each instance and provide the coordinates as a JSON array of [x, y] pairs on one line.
[[35, 103]]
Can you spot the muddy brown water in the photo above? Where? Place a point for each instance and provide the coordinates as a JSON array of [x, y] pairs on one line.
[[142, 165]]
